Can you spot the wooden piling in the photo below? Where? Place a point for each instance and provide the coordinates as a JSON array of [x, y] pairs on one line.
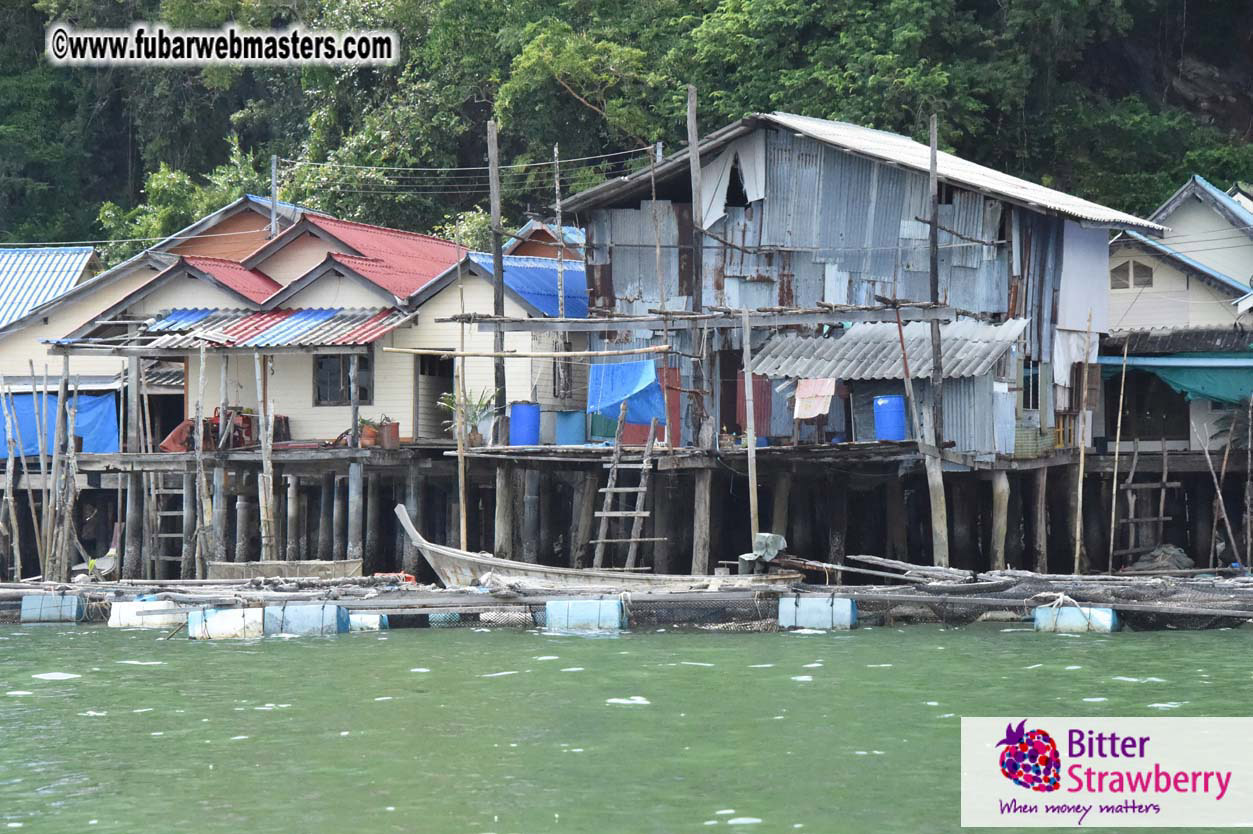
[[132, 558], [700, 521], [293, 518], [895, 528], [1000, 517], [373, 500], [356, 500], [326, 517], [246, 532], [265, 481], [663, 523], [780, 501], [340, 520], [187, 564], [1039, 526], [530, 516], [584, 516], [415, 487], [221, 513], [503, 524], [837, 520]]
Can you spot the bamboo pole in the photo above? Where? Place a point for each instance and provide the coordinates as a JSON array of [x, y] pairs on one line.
[[1113, 503], [562, 366], [1083, 446], [661, 293], [460, 398], [39, 404], [10, 474], [58, 571], [501, 424], [1218, 499], [1214, 476], [265, 486], [203, 514], [750, 429], [69, 498], [488, 354]]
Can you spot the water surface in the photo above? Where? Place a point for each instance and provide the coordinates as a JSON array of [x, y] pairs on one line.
[[472, 731]]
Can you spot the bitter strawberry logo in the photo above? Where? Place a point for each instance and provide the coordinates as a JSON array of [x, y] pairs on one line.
[[1030, 758]]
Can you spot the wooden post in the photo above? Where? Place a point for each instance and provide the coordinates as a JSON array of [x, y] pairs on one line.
[[583, 517], [1040, 550], [1219, 503], [187, 567], [939, 510], [53, 509], [415, 484], [663, 523], [354, 397], [373, 500], [780, 500], [245, 520], [293, 518], [326, 517], [1080, 554], [14, 537], [1000, 517], [895, 526], [498, 288], [356, 509], [530, 516], [221, 511], [937, 371], [340, 520], [460, 402], [1113, 483], [700, 521], [265, 481], [837, 521], [962, 512], [750, 428], [132, 560], [503, 526], [1201, 513], [697, 412]]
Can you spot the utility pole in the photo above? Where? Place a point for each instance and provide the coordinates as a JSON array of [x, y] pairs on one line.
[[935, 471], [703, 435], [498, 286], [273, 195], [562, 366]]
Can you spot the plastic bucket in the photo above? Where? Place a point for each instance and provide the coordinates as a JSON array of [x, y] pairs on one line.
[[889, 418], [571, 428], [523, 424]]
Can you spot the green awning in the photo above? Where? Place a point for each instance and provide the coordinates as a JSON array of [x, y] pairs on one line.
[[1222, 377]]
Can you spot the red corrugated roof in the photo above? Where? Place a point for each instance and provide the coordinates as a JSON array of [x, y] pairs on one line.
[[252, 284], [399, 262]]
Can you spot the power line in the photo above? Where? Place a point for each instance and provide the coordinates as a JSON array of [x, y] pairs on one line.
[[129, 239], [646, 149]]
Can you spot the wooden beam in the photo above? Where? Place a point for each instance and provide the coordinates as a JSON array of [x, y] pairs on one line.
[[700, 522], [716, 321], [529, 354]]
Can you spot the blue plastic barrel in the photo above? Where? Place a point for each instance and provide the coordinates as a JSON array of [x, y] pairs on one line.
[[889, 417], [571, 428], [523, 424]]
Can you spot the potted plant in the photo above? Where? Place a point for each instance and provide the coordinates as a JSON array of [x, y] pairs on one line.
[[388, 433], [478, 411], [369, 431]]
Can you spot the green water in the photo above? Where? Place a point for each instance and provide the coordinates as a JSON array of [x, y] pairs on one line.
[[420, 730]]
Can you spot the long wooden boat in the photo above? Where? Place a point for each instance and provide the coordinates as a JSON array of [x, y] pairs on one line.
[[461, 568]]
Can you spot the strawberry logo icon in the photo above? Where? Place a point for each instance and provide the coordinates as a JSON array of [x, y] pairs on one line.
[[1030, 758]]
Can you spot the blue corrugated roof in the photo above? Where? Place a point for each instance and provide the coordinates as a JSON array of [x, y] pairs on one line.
[[1230, 203], [34, 276], [1191, 263], [535, 279]]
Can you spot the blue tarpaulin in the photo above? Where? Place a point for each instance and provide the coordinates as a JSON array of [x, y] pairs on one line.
[[635, 382], [96, 423], [1221, 377]]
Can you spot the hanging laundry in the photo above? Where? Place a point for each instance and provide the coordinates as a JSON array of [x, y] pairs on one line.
[[813, 398]]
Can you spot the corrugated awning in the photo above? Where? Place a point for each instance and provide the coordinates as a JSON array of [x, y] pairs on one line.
[[873, 351], [313, 327]]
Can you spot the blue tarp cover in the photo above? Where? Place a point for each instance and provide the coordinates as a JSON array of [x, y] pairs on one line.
[[635, 382], [1219, 383], [96, 423]]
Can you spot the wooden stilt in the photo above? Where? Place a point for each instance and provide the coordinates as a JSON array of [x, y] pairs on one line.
[[246, 531], [584, 517], [894, 527], [503, 525], [293, 518], [664, 524], [221, 513], [530, 516], [837, 520], [1000, 517], [356, 509], [780, 502], [415, 486], [132, 559], [961, 512], [373, 500], [340, 520], [326, 517], [544, 500], [187, 566], [1074, 518], [265, 481], [700, 522], [1015, 529], [1039, 549]]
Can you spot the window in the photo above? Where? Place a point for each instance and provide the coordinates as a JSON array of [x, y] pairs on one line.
[[1131, 275], [330, 380]]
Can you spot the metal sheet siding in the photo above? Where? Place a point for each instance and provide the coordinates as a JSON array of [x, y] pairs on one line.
[[33, 276]]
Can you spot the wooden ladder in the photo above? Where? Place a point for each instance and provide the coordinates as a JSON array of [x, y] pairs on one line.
[[1131, 488], [611, 489]]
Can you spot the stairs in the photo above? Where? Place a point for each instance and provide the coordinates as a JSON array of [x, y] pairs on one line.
[[612, 489]]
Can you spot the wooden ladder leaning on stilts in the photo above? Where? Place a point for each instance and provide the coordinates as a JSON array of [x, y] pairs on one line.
[[1130, 487], [611, 489]]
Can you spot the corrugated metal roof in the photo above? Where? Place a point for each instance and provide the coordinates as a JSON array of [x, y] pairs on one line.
[[1232, 205], [1190, 263], [1195, 339], [873, 351], [535, 279], [402, 262], [901, 150], [307, 327], [252, 284], [36, 275]]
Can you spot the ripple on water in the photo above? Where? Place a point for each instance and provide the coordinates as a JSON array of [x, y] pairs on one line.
[[55, 676], [632, 701]]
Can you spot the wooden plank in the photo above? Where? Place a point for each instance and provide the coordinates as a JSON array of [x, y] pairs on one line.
[[622, 514]]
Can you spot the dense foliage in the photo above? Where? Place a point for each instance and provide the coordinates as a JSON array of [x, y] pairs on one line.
[[1117, 100]]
